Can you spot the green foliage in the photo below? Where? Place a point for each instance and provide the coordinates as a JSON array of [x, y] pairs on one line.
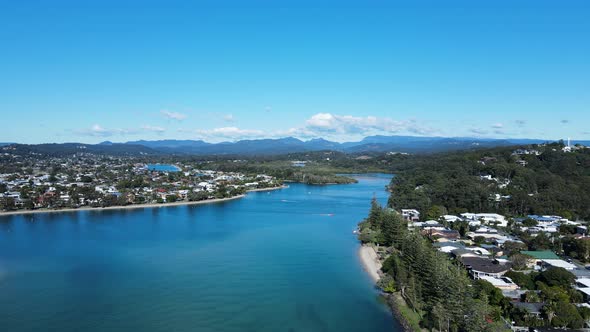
[[387, 284], [421, 274], [528, 222], [577, 248], [435, 211], [539, 242], [198, 196], [565, 315], [526, 281], [551, 183], [557, 276]]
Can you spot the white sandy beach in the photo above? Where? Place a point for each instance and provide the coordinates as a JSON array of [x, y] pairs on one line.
[[133, 206], [370, 261]]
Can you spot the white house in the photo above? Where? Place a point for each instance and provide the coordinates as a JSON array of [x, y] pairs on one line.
[[411, 215], [485, 218]]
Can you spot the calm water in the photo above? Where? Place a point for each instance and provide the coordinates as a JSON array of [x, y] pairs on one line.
[[273, 261], [163, 168]]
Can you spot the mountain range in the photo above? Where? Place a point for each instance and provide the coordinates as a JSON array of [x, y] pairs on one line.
[[408, 144]]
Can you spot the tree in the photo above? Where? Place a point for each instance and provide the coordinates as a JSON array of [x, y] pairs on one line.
[[531, 297], [540, 242], [86, 179], [519, 261], [374, 214], [557, 276], [387, 284], [7, 203], [523, 280], [566, 315], [476, 315], [392, 226], [528, 222], [435, 211]]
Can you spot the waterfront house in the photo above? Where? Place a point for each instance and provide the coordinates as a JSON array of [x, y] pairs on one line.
[[411, 215], [479, 267], [503, 283]]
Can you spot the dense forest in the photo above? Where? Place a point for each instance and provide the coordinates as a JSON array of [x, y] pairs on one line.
[[496, 180]]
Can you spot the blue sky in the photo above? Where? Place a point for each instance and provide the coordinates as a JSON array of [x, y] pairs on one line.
[[89, 71]]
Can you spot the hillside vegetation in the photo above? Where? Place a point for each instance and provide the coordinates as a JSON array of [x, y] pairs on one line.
[[496, 180]]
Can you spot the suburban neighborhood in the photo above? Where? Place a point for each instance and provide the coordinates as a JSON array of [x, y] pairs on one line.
[[86, 180]]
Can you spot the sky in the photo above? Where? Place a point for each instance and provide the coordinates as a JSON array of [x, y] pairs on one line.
[[90, 71]]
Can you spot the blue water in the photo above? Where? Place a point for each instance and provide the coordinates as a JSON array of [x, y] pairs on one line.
[[162, 168], [283, 260]]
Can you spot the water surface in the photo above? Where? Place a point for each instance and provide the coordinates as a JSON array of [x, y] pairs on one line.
[[162, 168], [283, 260]]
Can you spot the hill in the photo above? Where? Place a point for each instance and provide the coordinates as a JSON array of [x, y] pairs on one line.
[[500, 180]]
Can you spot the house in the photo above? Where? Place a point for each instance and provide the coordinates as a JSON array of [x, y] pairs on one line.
[[462, 252], [476, 219], [478, 250], [583, 285], [450, 234], [451, 218], [533, 309], [479, 267], [537, 257], [429, 224], [411, 215], [503, 283], [448, 246], [549, 263]]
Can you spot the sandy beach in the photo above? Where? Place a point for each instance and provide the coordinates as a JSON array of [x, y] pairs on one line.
[[370, 261], [134, 206]]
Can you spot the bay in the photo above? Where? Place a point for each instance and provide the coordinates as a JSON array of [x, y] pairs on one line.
[[282, 260]]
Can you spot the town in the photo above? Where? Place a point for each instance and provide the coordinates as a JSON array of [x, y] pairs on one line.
[[89, 181]]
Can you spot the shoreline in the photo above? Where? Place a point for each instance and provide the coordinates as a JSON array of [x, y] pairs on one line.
[[135, 206], [267, 189], [372, 265], [370, 262]]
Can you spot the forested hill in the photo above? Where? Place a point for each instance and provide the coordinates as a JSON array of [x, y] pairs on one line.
[[537, 179]]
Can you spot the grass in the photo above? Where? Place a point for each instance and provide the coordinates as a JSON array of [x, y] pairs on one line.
[[411, 318]]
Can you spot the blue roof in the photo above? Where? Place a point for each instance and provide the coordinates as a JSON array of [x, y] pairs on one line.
[[540, 218]]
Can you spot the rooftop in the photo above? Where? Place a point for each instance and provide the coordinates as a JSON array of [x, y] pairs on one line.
[[545, 254]]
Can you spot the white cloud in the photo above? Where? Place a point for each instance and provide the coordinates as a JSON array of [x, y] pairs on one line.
[[228, 118], [327, 123], [97, 130], [230, 133], [478, 131], [497, 126], [173, 115], [155, 129]]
